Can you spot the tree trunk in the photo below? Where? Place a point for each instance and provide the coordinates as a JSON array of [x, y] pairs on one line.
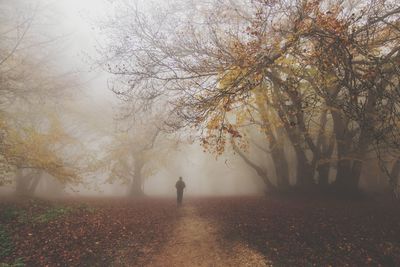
[[136, 185], [362, 148], [26, 184], [304, 172], [260, 172], [276, 148], [34, 183], [324, 148], [325, 167], [323, 174], [366, 130], [394, 177], [356, 173], [345, 181], [304, 175], [281, 167]]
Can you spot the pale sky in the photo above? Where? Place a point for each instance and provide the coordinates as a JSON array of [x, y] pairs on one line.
[[76, 21]]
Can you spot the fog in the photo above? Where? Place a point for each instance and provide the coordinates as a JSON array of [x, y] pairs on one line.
[[68, 30], [116, 98], [199, 133]]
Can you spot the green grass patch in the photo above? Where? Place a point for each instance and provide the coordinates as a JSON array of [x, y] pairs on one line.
[[13, 214], [86, 208], [52, 214], [6, 245], [9, 214], [57, 212], [17, 263]]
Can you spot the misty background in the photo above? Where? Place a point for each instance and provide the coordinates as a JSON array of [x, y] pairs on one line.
[[64, 34], [74, 122]]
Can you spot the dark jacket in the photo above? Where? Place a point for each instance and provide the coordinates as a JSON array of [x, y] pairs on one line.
[[180, 185]]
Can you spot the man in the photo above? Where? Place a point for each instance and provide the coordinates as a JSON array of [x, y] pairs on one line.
[[180, 185]]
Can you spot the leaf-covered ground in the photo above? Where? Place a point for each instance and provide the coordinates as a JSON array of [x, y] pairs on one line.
[[244, 231], [196, 242], [83, 233], [300, 231]]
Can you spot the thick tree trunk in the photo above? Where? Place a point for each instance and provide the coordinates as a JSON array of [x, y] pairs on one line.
[[366, 130], [276, 148], [394, 178], [349, 167], [348, 176], [136, 188], [304, 176], [325, 167], [323, 174], [21, 188], [281, 167], [27, 183], [304, 172], [343, 173], [34, 183], [297, 135], [356, 173], [362, 148], [345, 181], [325, 147]]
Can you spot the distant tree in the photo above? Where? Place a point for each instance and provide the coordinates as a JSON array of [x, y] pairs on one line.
[[29, 152], [128, 155], [33, 140], [135, 153]]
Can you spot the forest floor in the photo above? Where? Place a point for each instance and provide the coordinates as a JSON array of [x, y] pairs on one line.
[[230, 231]]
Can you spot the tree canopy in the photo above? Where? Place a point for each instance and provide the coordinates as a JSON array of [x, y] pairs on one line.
[[318, 78]]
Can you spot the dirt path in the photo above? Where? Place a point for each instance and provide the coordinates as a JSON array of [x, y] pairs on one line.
[[195, 243]]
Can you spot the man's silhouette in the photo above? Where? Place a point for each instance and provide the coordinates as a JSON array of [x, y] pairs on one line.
[[180, 185]]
